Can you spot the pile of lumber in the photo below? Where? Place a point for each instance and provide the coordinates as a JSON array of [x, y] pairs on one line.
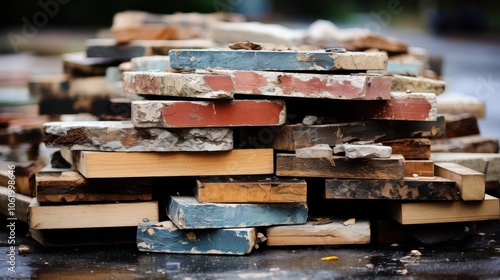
[[290, 139]]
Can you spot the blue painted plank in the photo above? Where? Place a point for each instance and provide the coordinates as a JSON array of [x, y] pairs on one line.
[[165, 237], [188, 59], [151, 63], [187, 213]]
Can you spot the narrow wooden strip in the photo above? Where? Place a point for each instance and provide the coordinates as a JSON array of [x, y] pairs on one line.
[[251, 189], [71, 186], [340, 167], [165, 237], [91, 215], [410, 148], [126, 165], [187, 213], [461, 125], [417, 84], [208, 114], [123, 136], [471, 184], [423, 168], [466, 144], [445, 212], [421, 188], [333, 233], [275, 60], [486, 163]]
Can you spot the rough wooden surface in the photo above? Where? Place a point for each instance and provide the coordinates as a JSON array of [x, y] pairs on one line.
[[424, 167], [471, 184], [165, 237], [486, 163], [77, 64], [149, 164], [333, 233], [290, 137], [456, 104], [151, 63], [109, 48], [421, 188], [123, 136], [410, 148], [251, 189], [466, 144], [445, 212], [356, 87], [187, 213], [179, 84], [340, 167], [275, 60], [91, 215], [22, 174], [461, 125], [152, 113], [417, 84], [71, 186]]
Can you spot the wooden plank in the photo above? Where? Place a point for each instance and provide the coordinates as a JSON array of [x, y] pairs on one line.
[[151, 63], [150, 164], [165, 237], [290, 137], [251, 189], [123, 136], [71, 186], [423, 168], [152, 113], [461, 125], [466, 144], [417, 84], [208, 86], [84, 237], [410, 148], [50, 85], [408, 213], [22, 174], [340, 167], [486, 163], [333, 233], [91, 215], [457, 103], [275, 60], [304, 85], [187, 213], [420, 188], [14, 205], [471, 184], [109, 48], [77, 64]]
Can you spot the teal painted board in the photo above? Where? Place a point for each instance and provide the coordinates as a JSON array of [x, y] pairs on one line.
[[188, 59], [187, 213], [165, 237]]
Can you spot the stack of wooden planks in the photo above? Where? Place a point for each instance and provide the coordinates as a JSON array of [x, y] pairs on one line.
[[205, 150]]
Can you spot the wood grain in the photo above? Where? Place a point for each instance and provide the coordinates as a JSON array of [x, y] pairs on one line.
[[471, 184]]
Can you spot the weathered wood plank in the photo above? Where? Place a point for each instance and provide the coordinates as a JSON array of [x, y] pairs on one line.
[[290, 137], [209, 86], [109, 48], [466, 144], [91, 215], [187, 213], [486, 163], [165, 237], [333, 233], [17, 210], [22, 175], [151, 63], [275, 60], [151, 164], [152, 113], [408, 213], [340, 167], [461, 125], [251, 189], [457, 103], [421, 188], [349, 87], [422, 167], [77, 64], [71, 186], [123, 136], [410, 148], [471, 184], [417, 84]]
